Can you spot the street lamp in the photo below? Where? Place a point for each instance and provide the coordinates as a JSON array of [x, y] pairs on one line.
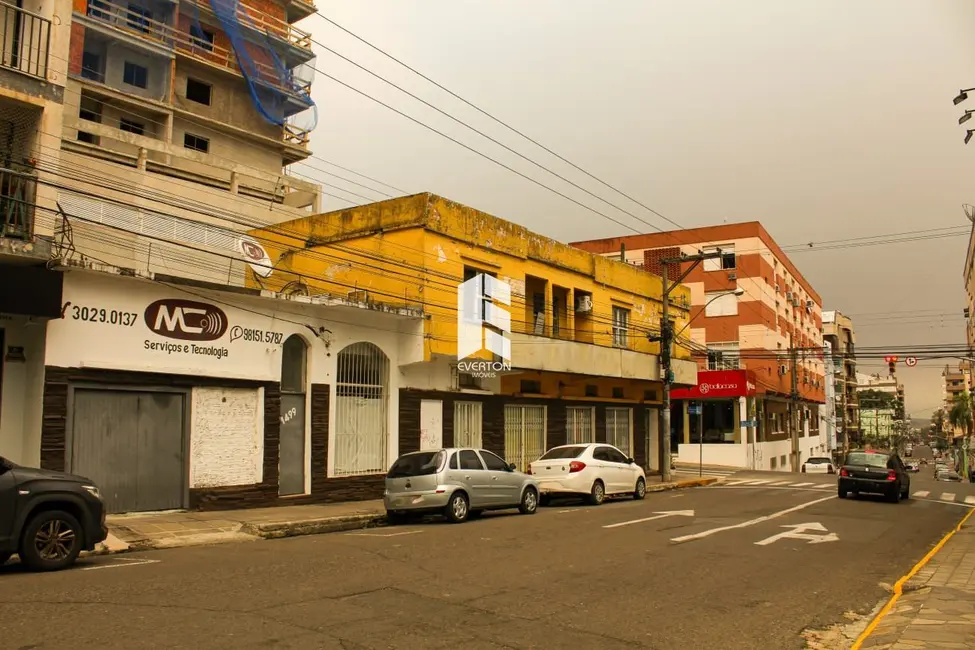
[[968, 135], [967, 116], [962, 96]]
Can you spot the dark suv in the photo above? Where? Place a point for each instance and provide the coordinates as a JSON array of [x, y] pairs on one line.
[[874, 472], [47, 517]]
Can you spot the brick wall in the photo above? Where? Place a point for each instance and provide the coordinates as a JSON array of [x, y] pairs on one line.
[[77, 48], [652, 257]]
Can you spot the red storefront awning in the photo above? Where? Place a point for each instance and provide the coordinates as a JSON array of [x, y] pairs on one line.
[[719, 383]]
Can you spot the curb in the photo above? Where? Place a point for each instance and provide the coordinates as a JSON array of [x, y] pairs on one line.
[[283, 529]]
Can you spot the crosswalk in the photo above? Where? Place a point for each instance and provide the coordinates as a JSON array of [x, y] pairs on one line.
[[944, 497], [684, 470]]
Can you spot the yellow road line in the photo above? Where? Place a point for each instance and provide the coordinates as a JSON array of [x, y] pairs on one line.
[[899, 585]]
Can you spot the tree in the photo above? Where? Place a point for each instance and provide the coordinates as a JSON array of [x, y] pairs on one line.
[[876, 399], [938, 421], [960, 415]]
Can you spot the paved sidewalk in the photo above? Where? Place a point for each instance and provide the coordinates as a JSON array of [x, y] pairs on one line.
[[937, 608], [173, 529]]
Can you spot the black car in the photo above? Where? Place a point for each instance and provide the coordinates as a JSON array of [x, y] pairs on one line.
[[874, 472], [46, 517]]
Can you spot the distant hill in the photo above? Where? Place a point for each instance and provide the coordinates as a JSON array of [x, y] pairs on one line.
[[921, 423]]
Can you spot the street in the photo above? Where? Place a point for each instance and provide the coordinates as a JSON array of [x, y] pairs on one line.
[[742, 565]]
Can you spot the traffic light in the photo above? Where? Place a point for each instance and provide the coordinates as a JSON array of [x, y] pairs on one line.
[[891, 365]]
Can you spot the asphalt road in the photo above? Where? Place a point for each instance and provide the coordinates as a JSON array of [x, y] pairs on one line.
[[569, 577]]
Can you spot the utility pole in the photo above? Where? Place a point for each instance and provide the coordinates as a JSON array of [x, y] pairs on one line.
[[666, 344], [794, 398]]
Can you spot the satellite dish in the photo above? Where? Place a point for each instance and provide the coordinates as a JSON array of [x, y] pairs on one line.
[[969, 211]]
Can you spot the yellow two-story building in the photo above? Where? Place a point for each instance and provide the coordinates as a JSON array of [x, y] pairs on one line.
[[527, 343]]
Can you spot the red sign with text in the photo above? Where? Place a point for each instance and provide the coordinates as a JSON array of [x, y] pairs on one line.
[[719, 383]]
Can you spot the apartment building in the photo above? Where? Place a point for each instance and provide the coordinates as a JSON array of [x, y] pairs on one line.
[[968, 276], [956, 381], [743, 342], [839, 333], [528, 343]]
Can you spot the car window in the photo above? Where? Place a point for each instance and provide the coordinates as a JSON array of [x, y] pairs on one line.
[[600, 453], [614, 455], [417, 464], [493, 462], [454, 463], [573, 451], [866, 458], [469, 460], [817, 461]]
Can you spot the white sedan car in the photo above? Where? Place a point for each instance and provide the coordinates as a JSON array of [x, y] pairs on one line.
[[595, 470], [818, 465]]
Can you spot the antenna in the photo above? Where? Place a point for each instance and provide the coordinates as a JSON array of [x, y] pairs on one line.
[[969, 211]]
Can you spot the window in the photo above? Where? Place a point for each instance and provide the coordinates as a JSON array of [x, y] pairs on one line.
[[468, 419], [361, 417], [580, 426], [592, 390], [614, 456], [724, 356], [293, 355], [493, 462], [197, 91], [524, 433], [131, 126], [618, 428], [726, 262], [139, 17], [720, 303], [89, 110], [91, 67], [618, 392], [202, 38], [563, 453], [469, 460], [196, 143], [135, 75], [421, 463], [100, 9], [621, 326], [531, 387]]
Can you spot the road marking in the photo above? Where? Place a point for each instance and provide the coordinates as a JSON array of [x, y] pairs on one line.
[[824, 486], [751, 522], [659, 515], [798, 532], [568, 510], [760, 482], [922, 494], [969, 499], [405, 532], [781, 483], [734, 482], [947, 496], [124, 562], [803, 484]]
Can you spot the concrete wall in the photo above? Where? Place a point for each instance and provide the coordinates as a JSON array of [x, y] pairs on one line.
[[23, 385]]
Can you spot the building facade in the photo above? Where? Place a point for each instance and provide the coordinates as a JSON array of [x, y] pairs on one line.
[[751, 309], [578, 364], [839, 333], [956, 382]]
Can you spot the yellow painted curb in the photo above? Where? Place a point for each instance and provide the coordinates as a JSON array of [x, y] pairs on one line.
[[899, 585]]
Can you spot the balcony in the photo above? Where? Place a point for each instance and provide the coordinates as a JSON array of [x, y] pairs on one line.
[[262, 25], [17, 197], [26, 41]]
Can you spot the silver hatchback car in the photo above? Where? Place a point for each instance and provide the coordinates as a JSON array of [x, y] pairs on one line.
[[456, 482]]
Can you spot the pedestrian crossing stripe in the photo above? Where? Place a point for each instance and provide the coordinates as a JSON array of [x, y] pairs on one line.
[[947, 496], [921, 494], [970, 499]]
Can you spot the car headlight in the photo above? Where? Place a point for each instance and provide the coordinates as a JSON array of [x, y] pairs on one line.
[[93, 491]]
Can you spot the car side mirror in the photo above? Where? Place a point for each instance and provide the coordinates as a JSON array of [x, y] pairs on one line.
[[630, 461], [512, 467]]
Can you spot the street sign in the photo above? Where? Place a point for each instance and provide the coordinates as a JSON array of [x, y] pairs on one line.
[[911, 361], [749, 423], [798, 531]]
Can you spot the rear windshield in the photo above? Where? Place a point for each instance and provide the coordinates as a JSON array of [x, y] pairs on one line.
[[817, 461], [863, 458], [419, 464], [563, 452]]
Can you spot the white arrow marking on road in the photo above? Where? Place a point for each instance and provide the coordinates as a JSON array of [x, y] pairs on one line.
[[659, 515], [750, 522], [797, 532]]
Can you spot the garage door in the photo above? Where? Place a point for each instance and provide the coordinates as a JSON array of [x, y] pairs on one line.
[[130, 443], [524, 434]]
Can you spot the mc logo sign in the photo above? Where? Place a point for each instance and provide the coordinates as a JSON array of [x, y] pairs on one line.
[[186, 320]]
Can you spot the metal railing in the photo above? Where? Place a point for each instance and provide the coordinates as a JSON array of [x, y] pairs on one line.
[[26, 41], [267, 24], [18, 191]]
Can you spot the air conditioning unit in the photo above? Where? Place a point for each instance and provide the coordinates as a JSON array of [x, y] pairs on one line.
[[732, 275], [783, 370], [809, 305], [788, 296], [583, 304], [796, 302]]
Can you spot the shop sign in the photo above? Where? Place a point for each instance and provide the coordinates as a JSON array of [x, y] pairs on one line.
[[129, 324], [716, 384]]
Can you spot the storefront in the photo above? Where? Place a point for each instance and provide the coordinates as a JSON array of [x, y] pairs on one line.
[[717, 419], [172, 397]]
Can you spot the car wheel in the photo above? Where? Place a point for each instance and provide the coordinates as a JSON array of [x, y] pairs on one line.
[[841, 493], [641, 489], [598, 493], [906, 493], [529, 502], [4, 557], [457, 510], [51, 541]]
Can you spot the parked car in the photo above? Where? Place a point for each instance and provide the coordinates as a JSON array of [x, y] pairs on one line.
[[47, 518], [458, 483], [913, 466], [594, 470], [949, 476], [818, 465], [874, 472]]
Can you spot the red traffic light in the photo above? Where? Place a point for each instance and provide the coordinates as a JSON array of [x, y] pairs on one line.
[[890, 359]]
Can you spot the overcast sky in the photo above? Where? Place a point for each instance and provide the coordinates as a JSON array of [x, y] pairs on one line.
[[823, 119]]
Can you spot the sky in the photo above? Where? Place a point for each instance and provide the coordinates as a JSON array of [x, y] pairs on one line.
[[825, 120]]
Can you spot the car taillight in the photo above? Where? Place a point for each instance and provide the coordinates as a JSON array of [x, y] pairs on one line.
[[843, 472], [891, 475], [576, 466]]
